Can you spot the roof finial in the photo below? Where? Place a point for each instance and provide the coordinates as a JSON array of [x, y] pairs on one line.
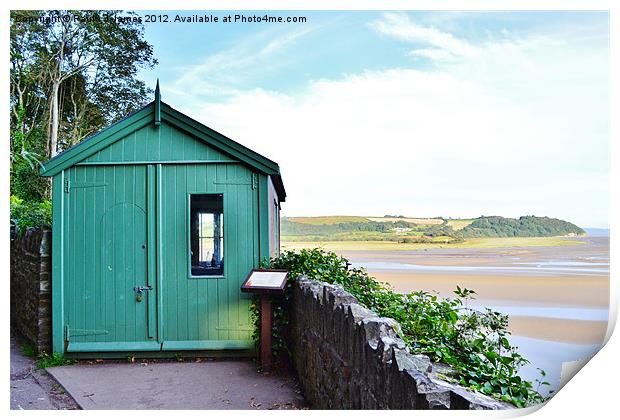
[[157, 104]]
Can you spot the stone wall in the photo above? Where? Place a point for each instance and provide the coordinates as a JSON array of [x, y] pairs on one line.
[[347, 357], [31, 267]]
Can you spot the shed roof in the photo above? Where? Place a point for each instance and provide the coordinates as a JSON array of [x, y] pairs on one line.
[[154, 113]]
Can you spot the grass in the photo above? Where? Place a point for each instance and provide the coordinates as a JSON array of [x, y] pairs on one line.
[[332, 220], [328, 220], [351, 236], [395, 246], [29, 350], [362, 236], [458, 224], [45, 360], [416, 220]]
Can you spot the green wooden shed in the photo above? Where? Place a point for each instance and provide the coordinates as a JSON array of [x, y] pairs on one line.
[[157, 220]]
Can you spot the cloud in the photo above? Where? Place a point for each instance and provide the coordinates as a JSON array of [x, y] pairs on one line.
[[432, 53], [224, 73], [423, 144], [285, 40], [520, 128], [400, 27]]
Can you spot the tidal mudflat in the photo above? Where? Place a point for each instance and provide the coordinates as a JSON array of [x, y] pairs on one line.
[[557, 296]]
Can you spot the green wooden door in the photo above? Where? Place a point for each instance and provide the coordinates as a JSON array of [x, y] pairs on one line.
[[106, 259]]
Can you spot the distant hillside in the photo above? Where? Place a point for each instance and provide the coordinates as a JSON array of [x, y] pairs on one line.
[[412, 230], [525, 226]]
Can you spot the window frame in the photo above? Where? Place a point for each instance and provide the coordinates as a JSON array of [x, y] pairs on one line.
[[188, 226]]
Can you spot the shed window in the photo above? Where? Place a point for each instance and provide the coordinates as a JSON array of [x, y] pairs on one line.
[[207, 234]]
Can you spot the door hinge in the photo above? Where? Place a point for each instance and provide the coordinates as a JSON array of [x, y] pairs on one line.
[[254, 180], [67, 185], [81, 332], [233, 328]]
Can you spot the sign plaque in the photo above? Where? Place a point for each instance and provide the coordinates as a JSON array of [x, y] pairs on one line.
[[265, 283]]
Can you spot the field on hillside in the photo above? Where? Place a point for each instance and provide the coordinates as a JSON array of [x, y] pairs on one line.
[[332, 220], [415, 220], [367, 229], [328, 220], [458, 224]]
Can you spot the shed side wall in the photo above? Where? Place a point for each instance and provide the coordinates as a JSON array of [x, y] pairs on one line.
[[274, 220]]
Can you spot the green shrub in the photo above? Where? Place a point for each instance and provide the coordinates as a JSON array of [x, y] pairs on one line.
[[45, 360], [27, 184], [474, 343], [29, 350], [30, 214]]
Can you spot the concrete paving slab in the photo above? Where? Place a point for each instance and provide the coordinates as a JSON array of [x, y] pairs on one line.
[[25, 391], [32, 388], [206, 385]]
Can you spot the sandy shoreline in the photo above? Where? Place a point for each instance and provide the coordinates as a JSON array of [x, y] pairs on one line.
[[578, 291], [560, 293], [544, 291], [562, 330], [291, 243]]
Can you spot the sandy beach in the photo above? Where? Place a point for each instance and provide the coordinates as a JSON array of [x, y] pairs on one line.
[[556, 293], [548, 290], [569, 292], [561, 330]]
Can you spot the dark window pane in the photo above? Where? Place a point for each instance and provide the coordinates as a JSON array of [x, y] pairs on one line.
[[207, 234]]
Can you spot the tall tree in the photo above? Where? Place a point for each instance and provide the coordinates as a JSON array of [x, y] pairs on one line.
[[107, 49], [28, 109], [86, 64], [27, 97]]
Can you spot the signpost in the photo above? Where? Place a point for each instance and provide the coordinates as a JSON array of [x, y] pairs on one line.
[[265, 283]]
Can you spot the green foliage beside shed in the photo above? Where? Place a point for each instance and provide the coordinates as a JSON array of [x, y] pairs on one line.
[[475, 344]]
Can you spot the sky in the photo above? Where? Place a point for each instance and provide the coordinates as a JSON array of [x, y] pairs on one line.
[[424, 114]]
